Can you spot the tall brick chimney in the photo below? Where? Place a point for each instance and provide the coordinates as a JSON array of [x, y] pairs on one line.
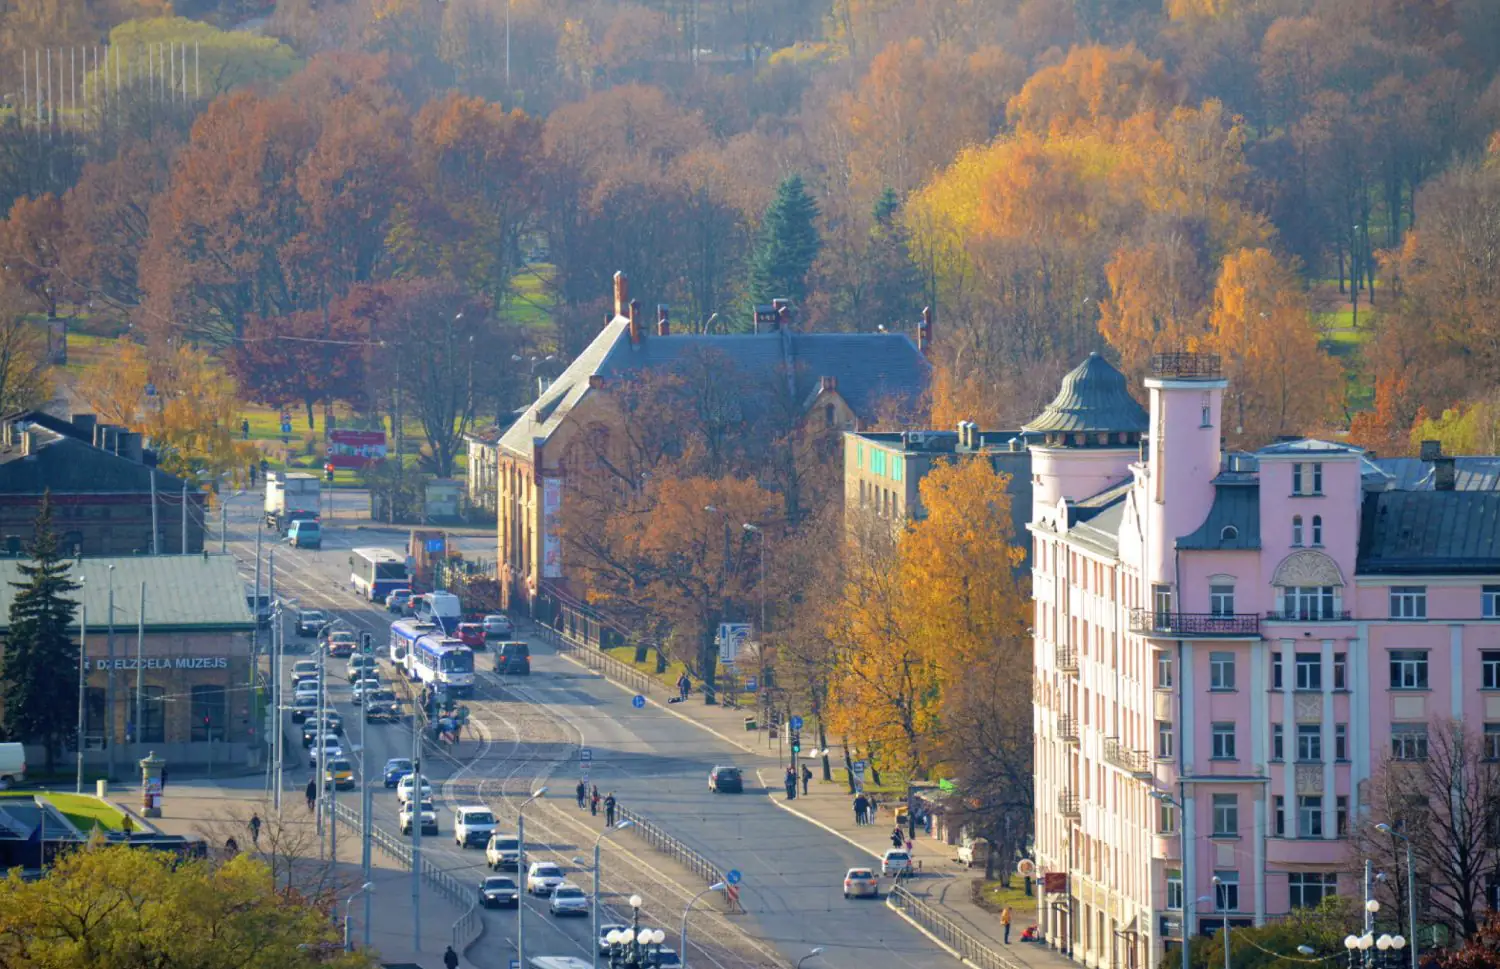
[[636, 333], [924, 332], [622, 293], [663, 320]]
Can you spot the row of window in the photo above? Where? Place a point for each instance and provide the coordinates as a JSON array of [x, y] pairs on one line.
[[1226, 816], [1306, 889], [881, 462], [1408, 741], [1307, 479], [1408, 670], [1316, 603]]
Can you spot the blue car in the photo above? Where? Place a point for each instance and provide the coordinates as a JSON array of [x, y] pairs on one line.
[[395, 769]]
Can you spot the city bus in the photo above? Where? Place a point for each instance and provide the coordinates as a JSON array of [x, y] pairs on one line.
[[377, 572], [443, 663]]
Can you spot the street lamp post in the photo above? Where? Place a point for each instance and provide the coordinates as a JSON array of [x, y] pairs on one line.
[[83, 651], [521, 855], [1172, 802], [1221, 905], [682, 936], [364, 889], [619, 826], [1411, 891], [625, 947]]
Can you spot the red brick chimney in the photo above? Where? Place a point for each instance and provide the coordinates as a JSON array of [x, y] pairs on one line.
[[622, 293], [924, 332], [663, 320], [636, 333]]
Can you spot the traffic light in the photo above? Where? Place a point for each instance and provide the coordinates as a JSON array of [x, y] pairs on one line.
[[365, 644], [796, 741], [328, 472]]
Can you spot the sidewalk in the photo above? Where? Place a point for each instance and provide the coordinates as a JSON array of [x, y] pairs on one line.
[[208, 809]]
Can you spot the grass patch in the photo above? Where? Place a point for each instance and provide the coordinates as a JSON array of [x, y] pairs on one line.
[[82, 810], [626, 654], [994, 896], [889, 788], [529, 303]]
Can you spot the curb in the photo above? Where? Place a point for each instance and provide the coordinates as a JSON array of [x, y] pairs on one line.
[[771, 794]]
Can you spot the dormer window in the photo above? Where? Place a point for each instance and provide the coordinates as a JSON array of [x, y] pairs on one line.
[[1297, 530], [1229, 534]]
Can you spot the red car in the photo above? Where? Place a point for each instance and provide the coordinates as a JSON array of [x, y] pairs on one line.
[[472, 634]]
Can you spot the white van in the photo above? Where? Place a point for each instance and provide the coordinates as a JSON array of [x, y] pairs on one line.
[[12, 765]]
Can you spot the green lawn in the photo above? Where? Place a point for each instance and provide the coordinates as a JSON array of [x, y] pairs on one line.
[[890, 786], [626, 654], [993, 896], [529, 302], [83, 811]]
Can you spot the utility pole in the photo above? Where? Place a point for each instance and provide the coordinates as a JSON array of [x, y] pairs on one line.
[[416, 831], [319, 751], [364, 808], [155, 527], [255, 629], [109, 719], [140, 666], [184, 547], [223, 527], [83, 652]]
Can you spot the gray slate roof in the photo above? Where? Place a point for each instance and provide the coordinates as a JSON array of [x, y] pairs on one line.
[[1095, 521], [68, 465], [183, 592], [1094, 397], [869, 367], [1235, 504], [1429, 533], [1414, 474], [1309, 446]]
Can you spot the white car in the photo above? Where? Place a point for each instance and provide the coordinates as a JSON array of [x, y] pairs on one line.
[[306, 688], [331, 749], [472, 825], [363, 687], [605, 930], [543, 877], [403, 789], [305, 669], [503, 851], [569, 899], [895, 863], [429, 818]]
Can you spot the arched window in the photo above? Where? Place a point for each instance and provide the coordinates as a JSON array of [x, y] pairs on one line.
[[1229, 534], [1317, 530], [1296, 529]]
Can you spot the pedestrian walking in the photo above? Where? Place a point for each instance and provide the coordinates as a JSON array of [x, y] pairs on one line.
[[312, 795], [450, 958], [861, 809], [245, 430], [1005, 922], [684, 685], [897, 838], [806, 777], [594, 803], [231, 846], [255, 829], [609, 810], [164, 777], [582, 791]]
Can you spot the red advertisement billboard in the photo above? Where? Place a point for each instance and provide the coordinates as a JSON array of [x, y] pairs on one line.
[[355, 449]]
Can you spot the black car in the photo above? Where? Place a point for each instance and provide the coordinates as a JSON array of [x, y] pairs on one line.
[[726, 780], [309, 621], [497, 890], [513, 657]]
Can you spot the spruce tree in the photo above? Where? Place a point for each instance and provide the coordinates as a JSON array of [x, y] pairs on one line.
[[895, 289], [787, 247], [39, 664]]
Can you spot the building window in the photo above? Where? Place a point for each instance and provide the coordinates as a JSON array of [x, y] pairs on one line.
[[1408, 669], [1221, 671], [1309, 603], [1164, 739], [1226, 815], [153, 707], [1164, 670], [1227, 890], [1221, 600], [1309, 671], [898, 468], [208, 713], [1297, 480], [1341, 741], [1489, 598], [1409, 741], [1317, 479], [1341, 671], [1310, 816], [1317, 530], [1489, 665], [828, 415], [1297, 530], [1309, 888], [1205, 419], [1276, 670], [1341, 815], [1161, 604], [1408, 602], [1228, 533], [1166, 817], [1278, 742], [1309, 742], [877, 462], [1492, 741], [1224, 741], [1174, 889], [859, 456], [1278, 816]]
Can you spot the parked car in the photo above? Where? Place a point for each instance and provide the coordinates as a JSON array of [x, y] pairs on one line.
[[498, 626], [543, 877], [895, 863], [397, 599], [569, 900], [861, 883], [503, 851], [726, 780], [395, 769], [498, 890], [309, 621]]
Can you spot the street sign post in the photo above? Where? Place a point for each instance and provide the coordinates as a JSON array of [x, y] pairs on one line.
[[586, 754], [638, 701], [733, 876], [796, 723]]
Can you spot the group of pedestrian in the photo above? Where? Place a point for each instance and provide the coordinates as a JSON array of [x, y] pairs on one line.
[[865, 807], [790, 782], [899, 840], [589, 797]]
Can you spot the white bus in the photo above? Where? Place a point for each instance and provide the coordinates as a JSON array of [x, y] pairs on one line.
[[377, 572]]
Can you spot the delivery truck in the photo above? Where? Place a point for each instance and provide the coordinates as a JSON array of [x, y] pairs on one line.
[[291, 496]]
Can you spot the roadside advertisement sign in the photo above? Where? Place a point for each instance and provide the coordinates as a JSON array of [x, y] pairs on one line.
[[355, 449], [1055, 882], [551, 539], [732, 636]]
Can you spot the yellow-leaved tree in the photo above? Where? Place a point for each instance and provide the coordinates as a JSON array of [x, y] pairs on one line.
[[179, 398]]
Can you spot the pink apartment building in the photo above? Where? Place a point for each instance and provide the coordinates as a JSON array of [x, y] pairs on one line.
[[1249, 635]]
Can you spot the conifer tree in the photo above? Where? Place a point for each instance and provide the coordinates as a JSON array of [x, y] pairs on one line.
[[895, 282], [788, 245], [38, 683]]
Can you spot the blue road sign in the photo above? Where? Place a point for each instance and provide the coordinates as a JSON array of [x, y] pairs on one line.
[[638, 701], [796, 723], [286, 428], [585, 754], [732, 876]]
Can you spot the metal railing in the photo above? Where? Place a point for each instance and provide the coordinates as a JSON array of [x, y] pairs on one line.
[[469, 926], [660, 839], [1066, 658], [1188, 365], [1128, 759], [1067, 728], [1152, 622], [1067, 805], [948, 932]]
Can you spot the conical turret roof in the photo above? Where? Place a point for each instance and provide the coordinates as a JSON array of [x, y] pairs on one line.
[[1093, 398]]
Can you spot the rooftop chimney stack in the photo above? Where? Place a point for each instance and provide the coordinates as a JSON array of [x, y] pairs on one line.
[[663, 320], [636, 335], [85, 423], [924, 332], [622, 293], [1444, 474], [828, 384], [783, 310], [766, 318], [1431, 450]]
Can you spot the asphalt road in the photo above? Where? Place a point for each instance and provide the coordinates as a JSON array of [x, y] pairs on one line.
[[656, 763]]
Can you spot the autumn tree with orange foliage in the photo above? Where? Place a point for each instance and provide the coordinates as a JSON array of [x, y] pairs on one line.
[[1094, 87]]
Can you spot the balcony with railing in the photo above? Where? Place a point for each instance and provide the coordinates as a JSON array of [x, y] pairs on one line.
[[1067, 728], [1066, 658], [1067, 805], [1195, 625], [1186, 366], [1128, 759]]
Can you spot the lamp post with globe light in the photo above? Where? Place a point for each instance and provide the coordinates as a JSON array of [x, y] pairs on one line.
[[682, 937], [1411, 891], [627, 947]]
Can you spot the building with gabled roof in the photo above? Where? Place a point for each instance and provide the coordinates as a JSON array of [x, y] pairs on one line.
[[842, 380]]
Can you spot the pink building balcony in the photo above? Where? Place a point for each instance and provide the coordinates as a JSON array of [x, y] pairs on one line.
[[1198, 625]]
